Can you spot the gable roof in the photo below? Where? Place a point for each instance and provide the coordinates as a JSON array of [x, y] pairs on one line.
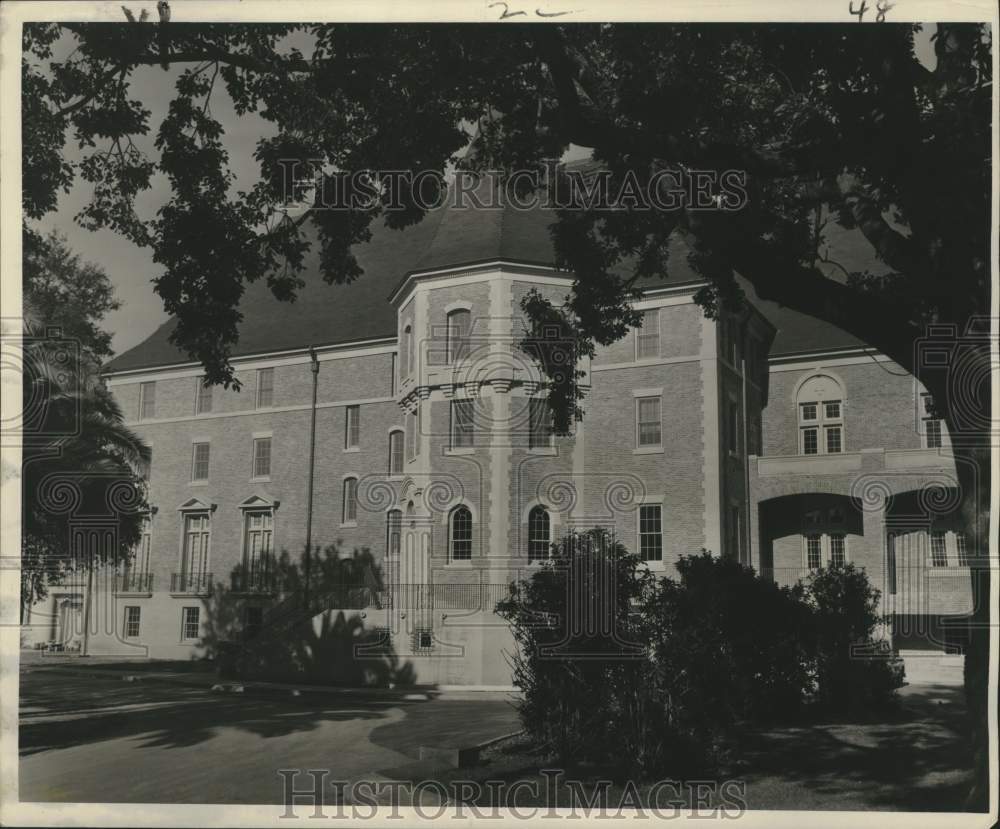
[[450, 236]]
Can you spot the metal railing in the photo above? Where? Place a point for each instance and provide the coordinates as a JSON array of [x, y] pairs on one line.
[[134, 581], [196, 583], [256, 580]]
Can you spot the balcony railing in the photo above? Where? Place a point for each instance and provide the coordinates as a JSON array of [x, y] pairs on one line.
[[194, 583], [256, 580], [134, 581]]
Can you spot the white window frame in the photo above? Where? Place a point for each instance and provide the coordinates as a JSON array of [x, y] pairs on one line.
[[411, 441], [259, 403], [128, 621], [194, 461], [457, 347], [352, 428], [825, 535], [451, 533], [651, 534], [943, 536], [533, 539], [926, 420], [349, 499], [394, 469], [202, 393], [468, 433], [185, 623], [266, 532], [820, 424], [187, 567], [144, 398], [255, 475], [649, 447], [647, 313]]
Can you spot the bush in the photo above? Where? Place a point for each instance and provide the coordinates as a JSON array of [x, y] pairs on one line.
[[856, 670], [730, 646], [582, 660]]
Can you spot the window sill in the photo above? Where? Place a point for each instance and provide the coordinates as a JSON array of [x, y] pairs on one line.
[[264, 479], [459, 563], [349, 449], [648, 450], [654, 565], [198, 483], [348, 524], [134, 594], [461, 450]]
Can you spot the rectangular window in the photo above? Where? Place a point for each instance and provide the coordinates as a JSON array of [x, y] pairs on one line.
[[392, 372], [352, 428], [190, 617], [831, 410], [962, 548], [350, 500], [395, 453], [932, 434], [265, 388], [203, 397], [733, 428], [258, 532], [939, 555], [810, 444], [147, 400], [459, 323], [199, 462], [262, 457], [890, 552], [814, 551], [647, 421], [132, 614], [462, 431], [736, 532], [411, 435], [833, 444], [197, 541], [140, 564], [650, 532], [838, 549], [539, 426], [807, 411], [647, 335]]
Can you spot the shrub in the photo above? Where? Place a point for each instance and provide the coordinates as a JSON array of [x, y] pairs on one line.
[[856, 670], [582, 660], [729, 646]]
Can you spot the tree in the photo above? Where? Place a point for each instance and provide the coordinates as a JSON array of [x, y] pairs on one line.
[[77, 454], [828, 123]]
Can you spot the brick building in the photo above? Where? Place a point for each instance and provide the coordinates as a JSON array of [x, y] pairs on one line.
[[767, 436]]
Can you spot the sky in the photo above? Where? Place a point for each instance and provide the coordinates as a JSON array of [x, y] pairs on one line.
[[131, 269]]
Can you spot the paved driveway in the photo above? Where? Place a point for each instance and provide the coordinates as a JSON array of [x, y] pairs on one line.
[[92, 739]]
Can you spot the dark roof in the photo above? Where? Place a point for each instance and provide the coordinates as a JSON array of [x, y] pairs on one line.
[[450, 236]]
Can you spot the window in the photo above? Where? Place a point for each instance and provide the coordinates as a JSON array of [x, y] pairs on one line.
[[147, 400], [890, 554], [539, 534], [265, 388], [821, 416], [132, 614], [393, 531], [939, 556], [461, 534], [190, 622], [253, 621], [350, 513], [539, 426], [733, 428], [407, 349], [458, 335], [423, 640], [202, 396], [257, 534], [962, 548], [462, 431], [735, 532], [411, 435], [199, 462], [396, 453], [352, 428], [647, 421], [650, 533], [814, 551], [140, 563], [647, 335], [838, 550], [197, 540], [393, 368], [262, 457], [932, 425]]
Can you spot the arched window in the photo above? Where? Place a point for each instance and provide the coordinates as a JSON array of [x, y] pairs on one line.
[[393, 530], [539, 534], [396, 452], [458, 334], [820, 405], [461, 534], [350, 512]]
